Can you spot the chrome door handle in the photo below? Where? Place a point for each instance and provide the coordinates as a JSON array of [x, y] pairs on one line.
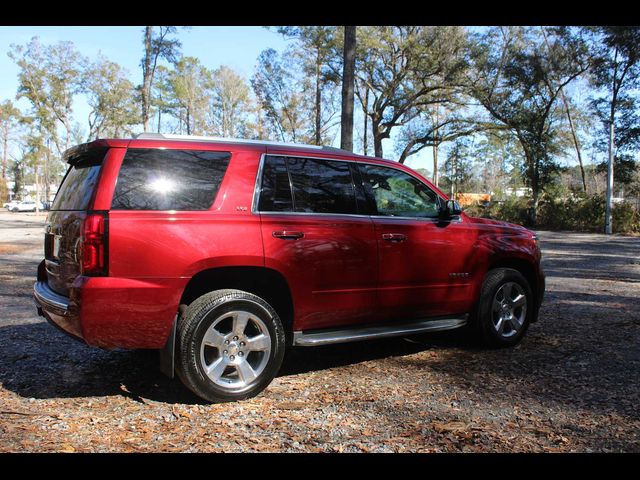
[[394, 237], [287, 234]]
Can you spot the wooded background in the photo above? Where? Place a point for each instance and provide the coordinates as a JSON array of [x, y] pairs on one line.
[[521, 113]]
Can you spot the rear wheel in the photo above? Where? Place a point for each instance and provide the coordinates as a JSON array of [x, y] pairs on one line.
[[230, 345], [505, 307]]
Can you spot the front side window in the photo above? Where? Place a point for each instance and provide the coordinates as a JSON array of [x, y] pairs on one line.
[[398, 194], [292, 184], [158, 179]]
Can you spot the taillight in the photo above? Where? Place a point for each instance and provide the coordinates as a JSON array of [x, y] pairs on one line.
[[94, 244]]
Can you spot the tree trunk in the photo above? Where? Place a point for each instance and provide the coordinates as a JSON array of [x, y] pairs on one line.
[[318, 136], [47, 181], [608, 216], [146, 77], [4, 156], [576, 144], [436, 144], [435, 164], [571, 126], [160, 113], [365, 109], [377, 139], [535, 190], [37, 189], [348, 71]]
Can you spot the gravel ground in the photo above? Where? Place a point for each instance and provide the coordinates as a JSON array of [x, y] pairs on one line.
[[570, 386]]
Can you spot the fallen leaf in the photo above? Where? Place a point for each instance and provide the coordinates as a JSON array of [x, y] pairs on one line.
[[291, 405], [454, 427]]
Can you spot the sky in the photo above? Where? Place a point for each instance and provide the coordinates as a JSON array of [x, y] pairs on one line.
[[234, 46]]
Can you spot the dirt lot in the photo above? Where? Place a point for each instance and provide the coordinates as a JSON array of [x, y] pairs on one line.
[[572, 385]]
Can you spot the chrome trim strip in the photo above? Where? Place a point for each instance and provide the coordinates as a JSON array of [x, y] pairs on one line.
[[330, 337], [48, 299], [456, 219]]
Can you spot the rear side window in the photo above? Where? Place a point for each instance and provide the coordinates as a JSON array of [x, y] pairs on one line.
[[155, 179], [307, 185], [321, 186], [79, 183]]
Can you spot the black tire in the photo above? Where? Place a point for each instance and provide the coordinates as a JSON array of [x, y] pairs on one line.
[[219, 310], [487, 320]]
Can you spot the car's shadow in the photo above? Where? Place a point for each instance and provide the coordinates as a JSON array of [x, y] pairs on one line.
[[40, 362]]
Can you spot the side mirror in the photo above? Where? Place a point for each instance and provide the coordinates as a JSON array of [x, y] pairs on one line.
[[449, 209], [454, 207]]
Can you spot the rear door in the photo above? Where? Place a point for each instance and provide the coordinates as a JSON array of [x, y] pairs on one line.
[[316, 233], [423, 262]]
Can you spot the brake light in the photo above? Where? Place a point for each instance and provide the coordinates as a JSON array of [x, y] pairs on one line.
[[94, 245]]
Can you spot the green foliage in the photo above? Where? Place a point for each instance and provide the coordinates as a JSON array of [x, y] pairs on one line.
[[189, 83], [281, 97], [575, 213], [408, 71], [518, 82], [158, 44], [49, 78], [230, 103], [111, 97]]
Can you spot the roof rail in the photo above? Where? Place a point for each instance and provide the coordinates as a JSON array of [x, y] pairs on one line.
[[197, 138]]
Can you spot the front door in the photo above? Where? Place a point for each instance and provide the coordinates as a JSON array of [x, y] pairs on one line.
[[423, 262]]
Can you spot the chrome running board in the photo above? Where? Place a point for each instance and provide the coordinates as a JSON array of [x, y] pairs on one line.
[[328, 337]]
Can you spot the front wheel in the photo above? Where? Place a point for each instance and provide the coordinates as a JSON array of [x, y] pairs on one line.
[[505, 307], [230, 345]]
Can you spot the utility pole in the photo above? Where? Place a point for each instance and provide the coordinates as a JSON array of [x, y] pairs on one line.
[[608, 217]]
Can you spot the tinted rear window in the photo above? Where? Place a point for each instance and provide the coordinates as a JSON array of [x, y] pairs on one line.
[[79, 183], [319, 186], [154, 179]]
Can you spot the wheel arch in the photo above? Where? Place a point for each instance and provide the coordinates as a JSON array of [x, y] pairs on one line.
[[529, 271], [264, 282]]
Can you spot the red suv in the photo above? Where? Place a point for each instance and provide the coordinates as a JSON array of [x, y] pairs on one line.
[[222, 253]]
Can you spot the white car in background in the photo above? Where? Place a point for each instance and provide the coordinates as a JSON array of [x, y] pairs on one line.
[[26, 206]]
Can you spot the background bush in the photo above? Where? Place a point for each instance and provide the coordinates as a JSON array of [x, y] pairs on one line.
[[581, 214]]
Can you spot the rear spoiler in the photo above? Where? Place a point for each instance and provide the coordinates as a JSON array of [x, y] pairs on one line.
[[77, 154]]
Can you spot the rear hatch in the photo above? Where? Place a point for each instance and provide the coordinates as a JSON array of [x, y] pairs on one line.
[[65, 225]]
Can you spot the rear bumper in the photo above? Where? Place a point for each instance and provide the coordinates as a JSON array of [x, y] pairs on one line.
[[56, 309], [111, 312]]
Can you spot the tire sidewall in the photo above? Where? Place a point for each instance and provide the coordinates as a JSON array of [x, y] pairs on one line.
[[192, 372], [493, 281]]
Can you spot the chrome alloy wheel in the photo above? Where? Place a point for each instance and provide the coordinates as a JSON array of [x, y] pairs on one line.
[[235, 350], [509, 309]]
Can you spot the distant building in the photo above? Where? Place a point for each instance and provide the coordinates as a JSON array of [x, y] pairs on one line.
[[518, 192]]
